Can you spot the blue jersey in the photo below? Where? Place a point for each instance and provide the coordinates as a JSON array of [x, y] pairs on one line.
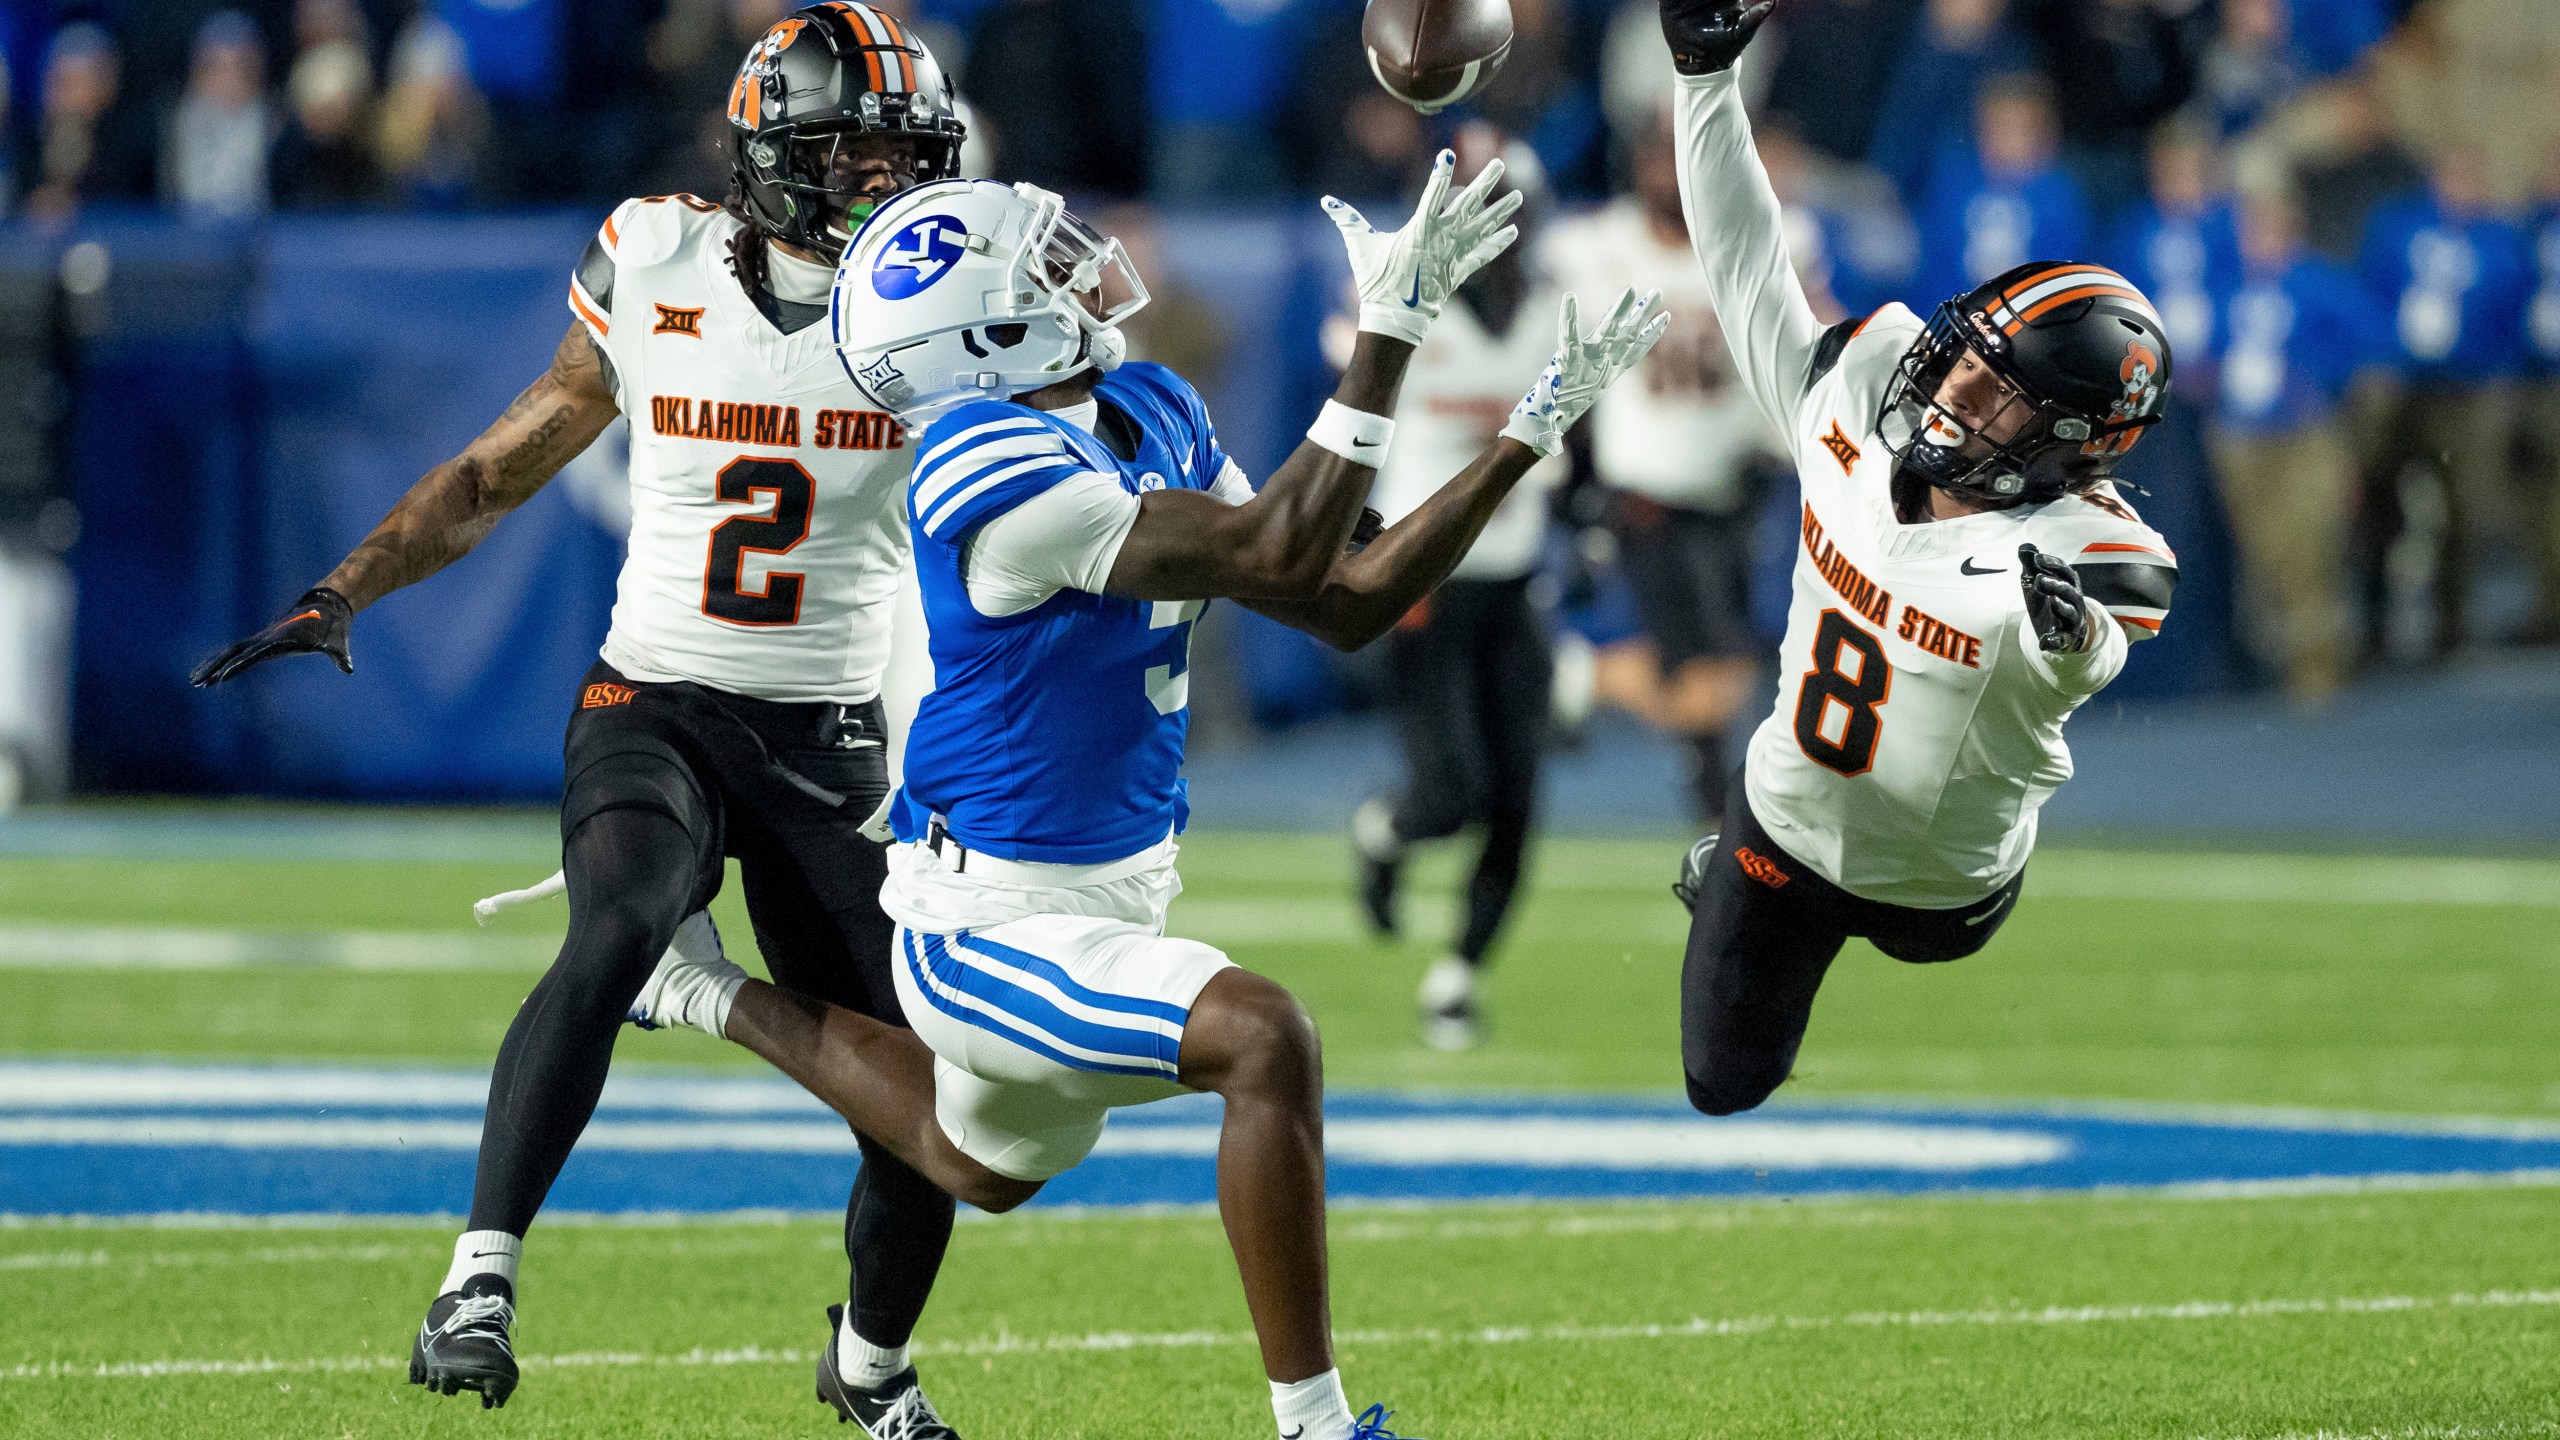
[[2184, 263], [2542, 317], [2456, 287], [1054, 735], [2291, 343]]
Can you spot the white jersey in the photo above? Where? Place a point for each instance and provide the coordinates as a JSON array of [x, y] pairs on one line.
[[766, 522], [1458, 393], [1918, 728], [1677, 429]]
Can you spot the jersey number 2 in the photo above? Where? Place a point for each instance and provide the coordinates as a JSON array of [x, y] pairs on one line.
[[724, 570], [1834, 701]]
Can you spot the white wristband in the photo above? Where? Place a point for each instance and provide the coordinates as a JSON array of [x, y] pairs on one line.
[[1355, 435]]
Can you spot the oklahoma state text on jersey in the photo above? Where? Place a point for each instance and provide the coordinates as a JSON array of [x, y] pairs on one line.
[[766, 537]]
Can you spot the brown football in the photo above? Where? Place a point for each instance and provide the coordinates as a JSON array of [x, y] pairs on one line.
[[1431, 54]]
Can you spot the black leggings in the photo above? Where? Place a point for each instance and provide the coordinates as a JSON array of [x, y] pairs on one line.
[[633, 877], [1471, 703], [630, 885], [1765, 933]]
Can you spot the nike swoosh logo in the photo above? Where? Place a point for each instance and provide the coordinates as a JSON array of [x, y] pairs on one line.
[[1293, 1434], [485, 1254], [1967, 568], [1994, 910], [305, 615], [1411, 302]]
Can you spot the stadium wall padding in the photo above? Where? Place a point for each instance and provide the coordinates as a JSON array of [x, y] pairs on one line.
[[251, 401]]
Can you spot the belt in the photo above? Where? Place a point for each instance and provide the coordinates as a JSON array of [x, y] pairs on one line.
[[960, 859]]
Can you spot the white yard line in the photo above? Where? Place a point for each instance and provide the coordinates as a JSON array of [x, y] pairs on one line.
[[1697, 1327], [182, 1259], [34, 945]]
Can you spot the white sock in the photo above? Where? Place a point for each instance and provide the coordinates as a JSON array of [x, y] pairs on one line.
[[709, 985], [484, 1252], [1312, 1409], [859, 1362]]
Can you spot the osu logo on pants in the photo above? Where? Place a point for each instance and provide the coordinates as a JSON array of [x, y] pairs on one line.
[[600, 695], [1760, 867]]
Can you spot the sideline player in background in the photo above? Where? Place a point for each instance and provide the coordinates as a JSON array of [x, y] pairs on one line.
[[736, 707], [1968, 577], [1470, 666], [1678, 448], [1070, 521]]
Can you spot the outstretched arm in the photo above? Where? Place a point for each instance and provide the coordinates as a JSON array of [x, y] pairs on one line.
[[448, 511], [1365, 594], [455, 505], [1733, 212], [1191, 545], [1188, 545]]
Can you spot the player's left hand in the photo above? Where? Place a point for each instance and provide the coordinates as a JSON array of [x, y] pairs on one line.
[[1584, 365], [1404, 276], [1709, 35], [2057, 611], [319, 623]]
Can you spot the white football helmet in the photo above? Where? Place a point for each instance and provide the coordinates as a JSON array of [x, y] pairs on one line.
[[971, 290]]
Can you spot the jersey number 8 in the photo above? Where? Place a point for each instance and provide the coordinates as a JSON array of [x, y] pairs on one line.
[[1827, 687], [724, 569]]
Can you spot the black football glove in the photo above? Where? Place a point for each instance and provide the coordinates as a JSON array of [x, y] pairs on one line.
[[2055, 606], [317, 623], [1709, 35]]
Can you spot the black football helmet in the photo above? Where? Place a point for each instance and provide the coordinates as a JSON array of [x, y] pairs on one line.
[[820, 78], [2081, 347]]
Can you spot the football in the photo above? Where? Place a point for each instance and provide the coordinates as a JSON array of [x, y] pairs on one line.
[[1431, 54]]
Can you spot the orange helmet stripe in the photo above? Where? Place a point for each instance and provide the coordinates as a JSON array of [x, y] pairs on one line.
[[2125, 292], [2058, 272]]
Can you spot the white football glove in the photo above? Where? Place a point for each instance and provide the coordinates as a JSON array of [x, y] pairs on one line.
[[1584, 366], [1404, 276]]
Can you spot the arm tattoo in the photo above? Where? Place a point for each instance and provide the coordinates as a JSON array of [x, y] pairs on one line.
[[455, 505]]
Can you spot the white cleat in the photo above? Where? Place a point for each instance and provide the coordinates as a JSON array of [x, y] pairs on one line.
[[1448, 999], [694, 983]]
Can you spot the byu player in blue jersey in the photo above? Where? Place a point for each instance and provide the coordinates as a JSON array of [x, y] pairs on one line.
[[1071, 515]]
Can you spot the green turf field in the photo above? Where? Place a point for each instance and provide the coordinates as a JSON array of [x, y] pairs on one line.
[[2412, 986]]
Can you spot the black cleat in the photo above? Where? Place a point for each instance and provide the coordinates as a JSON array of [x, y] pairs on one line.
[[464, 1344], [1381, 861], [1693, 872], [895, 1411]]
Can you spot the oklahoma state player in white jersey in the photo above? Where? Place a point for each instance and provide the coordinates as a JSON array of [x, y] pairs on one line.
[[1967, 577], [735, 711]]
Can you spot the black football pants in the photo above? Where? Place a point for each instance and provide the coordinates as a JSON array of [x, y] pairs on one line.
[[1471, 704], [1764, 934], [663, 781]]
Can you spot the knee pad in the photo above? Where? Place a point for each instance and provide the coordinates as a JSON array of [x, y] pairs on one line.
[[659, 784]]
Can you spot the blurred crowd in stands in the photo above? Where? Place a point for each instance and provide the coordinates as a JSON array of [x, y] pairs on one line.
[[2349, 210]]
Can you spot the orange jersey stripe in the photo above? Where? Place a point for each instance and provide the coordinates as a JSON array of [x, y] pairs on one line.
[[2152, 625], [611, 235], [2137, 549], [586, 312]]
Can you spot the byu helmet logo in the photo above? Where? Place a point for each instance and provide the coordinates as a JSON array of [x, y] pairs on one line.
[[917, 256]]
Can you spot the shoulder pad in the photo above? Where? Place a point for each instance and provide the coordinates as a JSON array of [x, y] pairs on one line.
[[1827, 353], [981, 459], [1886, 326], [2123, 564], [652, 230]]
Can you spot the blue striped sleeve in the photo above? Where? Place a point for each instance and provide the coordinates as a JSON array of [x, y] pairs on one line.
[[980, 461]]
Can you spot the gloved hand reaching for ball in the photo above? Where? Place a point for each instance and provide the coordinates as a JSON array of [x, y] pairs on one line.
[[1404, 276]]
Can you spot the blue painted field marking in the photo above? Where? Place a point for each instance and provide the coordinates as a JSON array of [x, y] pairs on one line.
[[105, 1139]]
